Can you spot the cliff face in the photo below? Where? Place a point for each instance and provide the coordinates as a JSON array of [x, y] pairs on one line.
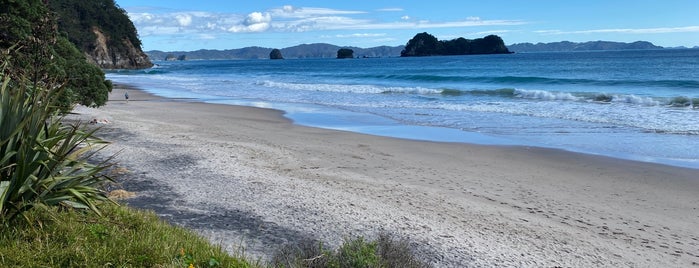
[[106, 57], [102, 31]]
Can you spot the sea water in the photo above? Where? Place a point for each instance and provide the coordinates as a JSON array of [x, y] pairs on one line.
[[640, 105]]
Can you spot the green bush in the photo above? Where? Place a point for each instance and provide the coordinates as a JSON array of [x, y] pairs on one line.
[[33, 49], [383, 252], [42, 160]]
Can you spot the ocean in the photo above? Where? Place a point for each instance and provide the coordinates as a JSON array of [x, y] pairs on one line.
[[639, 105]]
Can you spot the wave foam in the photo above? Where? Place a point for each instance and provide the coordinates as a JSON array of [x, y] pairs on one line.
[[545, 95], [345, 88]]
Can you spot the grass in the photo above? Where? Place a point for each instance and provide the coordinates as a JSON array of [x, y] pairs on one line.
[[127, 237], [386, 251], [123, 237]]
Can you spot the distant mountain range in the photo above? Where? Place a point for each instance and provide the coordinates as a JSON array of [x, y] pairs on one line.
[[322, 50], [586, 46], [318, 50]]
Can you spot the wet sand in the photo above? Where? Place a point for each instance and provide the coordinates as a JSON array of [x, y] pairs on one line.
[[249, 178]]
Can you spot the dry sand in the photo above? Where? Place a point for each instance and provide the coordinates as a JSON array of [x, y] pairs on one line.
[[247, 177]]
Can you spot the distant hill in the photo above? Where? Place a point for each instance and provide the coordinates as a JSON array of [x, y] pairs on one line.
[[317, 50], [586, 46]]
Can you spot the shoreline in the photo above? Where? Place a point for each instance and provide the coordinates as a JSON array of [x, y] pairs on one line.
[[249, 177]]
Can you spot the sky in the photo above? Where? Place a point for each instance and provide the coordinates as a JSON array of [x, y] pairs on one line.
[[178, 25]]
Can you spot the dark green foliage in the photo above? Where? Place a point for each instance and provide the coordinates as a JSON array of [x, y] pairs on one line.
[[35, 51], [78, 17], [42, 160], [384, 252], [424, 44], [85, 82], [345, 53], [16, 19], [356, 253]]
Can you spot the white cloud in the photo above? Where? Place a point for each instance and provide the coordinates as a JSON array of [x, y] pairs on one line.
[[207, 36], [492, 32], [360, 35], [184, 19], [660, 30], [255, 22], [286, 19], [308, 12], [391, 9]]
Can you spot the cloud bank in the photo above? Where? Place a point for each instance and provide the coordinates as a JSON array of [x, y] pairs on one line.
[[287, 19]]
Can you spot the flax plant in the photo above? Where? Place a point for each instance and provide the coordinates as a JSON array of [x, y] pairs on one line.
[[44, 162]]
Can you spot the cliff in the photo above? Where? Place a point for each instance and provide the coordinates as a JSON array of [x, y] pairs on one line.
[[102, 31], [127, 56]]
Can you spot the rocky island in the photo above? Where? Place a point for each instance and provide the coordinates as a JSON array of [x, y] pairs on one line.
[[425, 44]]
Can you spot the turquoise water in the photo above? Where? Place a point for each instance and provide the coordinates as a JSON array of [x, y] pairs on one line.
[[640, 105]]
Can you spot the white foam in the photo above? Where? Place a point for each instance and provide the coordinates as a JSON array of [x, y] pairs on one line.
[[545, 95], [349, 88]]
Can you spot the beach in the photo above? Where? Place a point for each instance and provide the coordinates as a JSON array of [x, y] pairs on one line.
[[251, 180]]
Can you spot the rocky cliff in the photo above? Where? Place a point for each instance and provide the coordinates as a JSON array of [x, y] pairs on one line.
[[127, 56], [102, 31]]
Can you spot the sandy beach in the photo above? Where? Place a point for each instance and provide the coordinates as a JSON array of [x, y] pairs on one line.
[[251, 180]]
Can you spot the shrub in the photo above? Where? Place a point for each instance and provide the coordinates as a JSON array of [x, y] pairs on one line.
[[42, 160], [386, 251]]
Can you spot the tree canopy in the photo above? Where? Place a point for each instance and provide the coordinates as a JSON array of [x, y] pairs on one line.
[[425, 44], [35, 52], [77, 18]]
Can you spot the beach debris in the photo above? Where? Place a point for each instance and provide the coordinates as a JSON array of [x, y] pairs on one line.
[[120, 194]]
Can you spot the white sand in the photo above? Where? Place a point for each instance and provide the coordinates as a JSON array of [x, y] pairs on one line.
[[247, 176]]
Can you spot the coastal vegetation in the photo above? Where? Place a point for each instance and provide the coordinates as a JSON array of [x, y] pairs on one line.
[[425, 44], [54, 237], [32, 47], [76, 18], [102, 31]]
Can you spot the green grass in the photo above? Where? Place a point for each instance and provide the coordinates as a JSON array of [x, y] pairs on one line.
[[384, 252], [123, 237], [127, 237]]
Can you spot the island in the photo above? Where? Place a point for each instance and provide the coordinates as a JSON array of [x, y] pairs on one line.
[[425, 44], [345, 53], [276, 54]]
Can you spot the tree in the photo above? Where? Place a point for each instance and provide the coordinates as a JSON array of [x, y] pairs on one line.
[[345, 53], [37, 52]]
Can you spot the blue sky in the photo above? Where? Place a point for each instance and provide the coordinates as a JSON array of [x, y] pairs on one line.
[[209, 24]]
